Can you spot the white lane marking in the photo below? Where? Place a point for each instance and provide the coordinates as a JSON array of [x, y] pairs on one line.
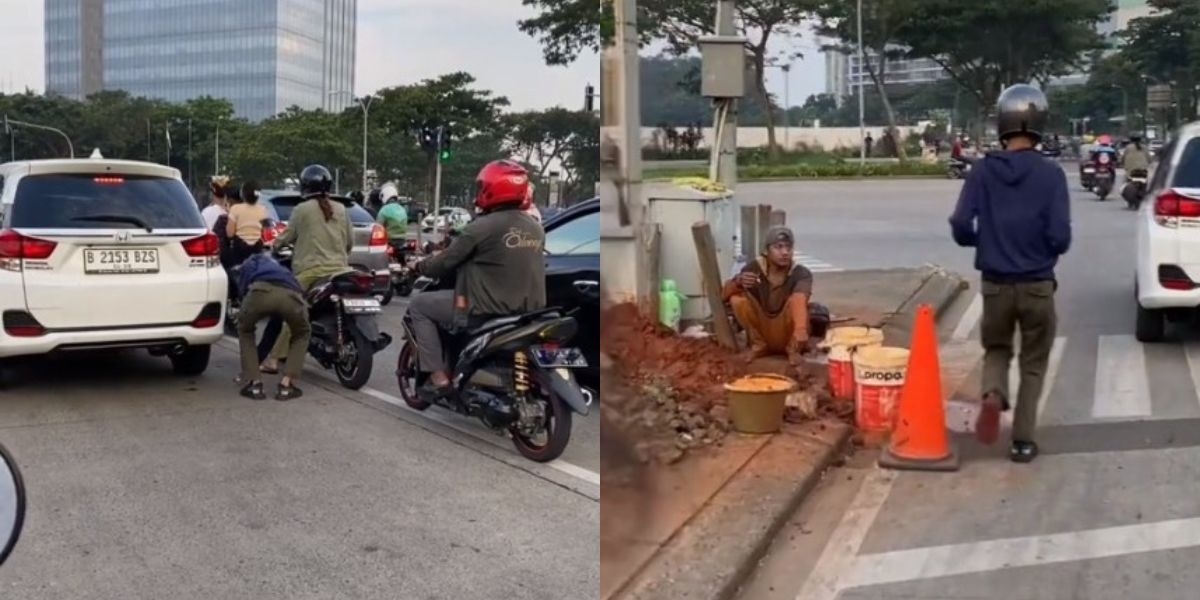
[[1056, 355], [968, 321], [560, 465], [1192, 353], [1057, 348], [994, 555], [824, 582], [815, 264], [1122, 386], [573, 470]]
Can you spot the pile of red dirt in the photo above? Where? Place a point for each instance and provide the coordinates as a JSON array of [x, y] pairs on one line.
[[642, 349]]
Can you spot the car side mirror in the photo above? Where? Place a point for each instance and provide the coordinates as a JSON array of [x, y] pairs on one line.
[[12, 504]]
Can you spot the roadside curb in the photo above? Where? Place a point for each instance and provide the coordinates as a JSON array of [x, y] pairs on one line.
[[716, 551]]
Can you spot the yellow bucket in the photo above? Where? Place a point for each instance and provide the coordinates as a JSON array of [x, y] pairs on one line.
[[853, 336], [757, 402], [879, 373]]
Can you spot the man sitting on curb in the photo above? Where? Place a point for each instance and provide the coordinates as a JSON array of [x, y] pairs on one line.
[[770, 299]]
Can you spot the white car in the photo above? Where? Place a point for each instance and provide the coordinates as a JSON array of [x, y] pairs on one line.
[[1168, 238], [98, 254], [447, 217]]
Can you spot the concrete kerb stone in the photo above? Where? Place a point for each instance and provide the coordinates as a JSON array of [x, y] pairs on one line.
[[713, 555]]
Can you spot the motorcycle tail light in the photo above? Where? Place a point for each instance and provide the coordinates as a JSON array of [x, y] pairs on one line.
[[365, 282]]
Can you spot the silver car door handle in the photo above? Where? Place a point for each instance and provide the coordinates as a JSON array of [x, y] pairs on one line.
[[584, 286]]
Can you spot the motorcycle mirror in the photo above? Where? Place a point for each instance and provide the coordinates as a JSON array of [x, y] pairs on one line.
[[12, 504]]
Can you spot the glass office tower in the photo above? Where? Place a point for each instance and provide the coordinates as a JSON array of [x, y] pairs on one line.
[[262, 55]]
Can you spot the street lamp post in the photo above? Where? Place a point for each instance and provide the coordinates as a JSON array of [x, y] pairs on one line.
[[787, 101], [862, 107], [365, 103], [8, 123]]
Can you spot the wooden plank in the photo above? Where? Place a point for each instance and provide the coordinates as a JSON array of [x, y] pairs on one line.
[[706, 252], [652, 236], [778, 217], [763, 220], [749, 230]]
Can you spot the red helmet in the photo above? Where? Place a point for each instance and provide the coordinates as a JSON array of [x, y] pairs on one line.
[[528, 201], [501, 182]]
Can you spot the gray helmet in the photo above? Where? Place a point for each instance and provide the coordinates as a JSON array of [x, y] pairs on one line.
[[1022, 108]]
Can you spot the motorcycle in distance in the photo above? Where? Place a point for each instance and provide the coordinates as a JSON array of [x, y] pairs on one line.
[[401, 259], [12, 504], [1105, 174], [958, 168], [1135, 189], [345, 329], [513, 373]]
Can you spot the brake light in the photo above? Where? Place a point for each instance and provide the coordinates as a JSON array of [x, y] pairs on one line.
[[18, 323], [15, 245], [411, 245], [365, 282], [205, 245], [1170, 206], [1173, 277], [272, 233], [378, 236], [210, 316]]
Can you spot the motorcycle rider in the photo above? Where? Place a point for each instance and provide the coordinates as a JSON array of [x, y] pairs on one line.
[[321, 235], [1015, 211], [499, 266], [1136, 158], [393, 217]]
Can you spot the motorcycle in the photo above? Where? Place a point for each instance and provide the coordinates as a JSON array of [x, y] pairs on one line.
[[345, 330], [400, 261], [514, 374], [1135, 189], [12, 504], [957, 168], [1105, 174], [1087, 176]]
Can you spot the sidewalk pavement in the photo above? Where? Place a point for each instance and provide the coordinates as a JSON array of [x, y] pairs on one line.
[[702, 525]]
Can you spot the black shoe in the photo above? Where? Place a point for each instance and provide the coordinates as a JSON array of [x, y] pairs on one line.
[[254, 391], [1023, 452], [431, 392], [288, 392]]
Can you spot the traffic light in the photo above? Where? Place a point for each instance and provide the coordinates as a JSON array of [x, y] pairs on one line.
[[428, 137], [589, 98], [444, 143]]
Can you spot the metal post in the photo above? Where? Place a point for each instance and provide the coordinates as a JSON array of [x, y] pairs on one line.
[[148, 157], [217, 152], [366, 107], [728, 107], [437, 182], [787, 108], [862, 107], [8, 123], [191, 171]]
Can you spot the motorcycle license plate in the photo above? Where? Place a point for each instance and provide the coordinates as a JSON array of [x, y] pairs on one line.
[[1089, 170], [558, 357], [1102, 175], [360, 306]]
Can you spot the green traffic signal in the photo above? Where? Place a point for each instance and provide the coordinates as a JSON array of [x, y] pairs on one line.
[[445, 155]]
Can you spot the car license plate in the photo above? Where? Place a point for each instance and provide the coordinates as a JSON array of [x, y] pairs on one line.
[[1089, 170], [551, 357], [120, 261], [357, 306]]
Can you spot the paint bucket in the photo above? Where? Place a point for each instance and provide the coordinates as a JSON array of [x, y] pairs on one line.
[[757, 402], [879, 373], [842, 343]]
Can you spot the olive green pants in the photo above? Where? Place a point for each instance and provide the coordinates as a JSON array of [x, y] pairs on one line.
[[265, 300], [1008, 308], [307, 279]]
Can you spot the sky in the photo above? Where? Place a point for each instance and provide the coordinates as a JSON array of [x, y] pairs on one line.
[[399, 42]]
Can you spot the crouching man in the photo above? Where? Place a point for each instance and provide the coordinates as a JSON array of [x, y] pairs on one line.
[[770, 299]]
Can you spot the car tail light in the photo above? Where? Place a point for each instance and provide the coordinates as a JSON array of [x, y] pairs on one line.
[[210, 316], [19, 323], [1170, 206], [15, 245], [411, 245], [205, 245], [1172, 277], [365, 282], [379, 236], [109, 180], [272, 233]]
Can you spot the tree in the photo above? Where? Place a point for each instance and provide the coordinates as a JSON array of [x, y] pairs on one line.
[[986, 45], [1166, 47], [882, 24]]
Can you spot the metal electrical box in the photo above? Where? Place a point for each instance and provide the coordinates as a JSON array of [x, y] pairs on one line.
[[676, 209], [723, 66]]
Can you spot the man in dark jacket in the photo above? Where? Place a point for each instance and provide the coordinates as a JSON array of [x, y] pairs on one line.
[[1015, 211], [499, 266], [271, 291]]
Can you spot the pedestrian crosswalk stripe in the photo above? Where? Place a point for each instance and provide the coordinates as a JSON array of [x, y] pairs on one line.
[[1191, 352], [814, 264], [1057, 350], [1122, 385]]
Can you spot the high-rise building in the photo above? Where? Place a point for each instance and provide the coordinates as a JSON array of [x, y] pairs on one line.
[[262, 55], [843, 74]]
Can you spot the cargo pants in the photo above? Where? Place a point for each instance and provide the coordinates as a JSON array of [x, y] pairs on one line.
[[1008, 308], [267, 300]]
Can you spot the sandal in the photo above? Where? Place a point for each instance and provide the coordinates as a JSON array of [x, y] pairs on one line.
[[1023, 452], [254, 391], [269, 370], [288, 392]]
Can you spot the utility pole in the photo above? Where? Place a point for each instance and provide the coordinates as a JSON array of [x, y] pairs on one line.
[[862, 106], [217, 152], [191, 171], [724, 167], [437, 182]]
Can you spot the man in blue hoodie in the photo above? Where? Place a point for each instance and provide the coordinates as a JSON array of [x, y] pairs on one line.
[[271, 291], [1015, 211]]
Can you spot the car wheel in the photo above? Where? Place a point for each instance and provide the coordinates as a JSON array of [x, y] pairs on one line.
[[1151, 325], [191, 361]]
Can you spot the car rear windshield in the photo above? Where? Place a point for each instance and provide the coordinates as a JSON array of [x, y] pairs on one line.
[[1187, 172], [103, 201], [285, 204]]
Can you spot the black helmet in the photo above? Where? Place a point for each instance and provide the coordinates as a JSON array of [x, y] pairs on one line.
[[1022, 109], [315, 180]]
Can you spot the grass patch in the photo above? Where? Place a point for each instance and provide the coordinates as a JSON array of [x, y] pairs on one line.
[[829, 170]]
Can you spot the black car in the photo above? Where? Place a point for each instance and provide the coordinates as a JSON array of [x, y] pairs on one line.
[[573, 277]]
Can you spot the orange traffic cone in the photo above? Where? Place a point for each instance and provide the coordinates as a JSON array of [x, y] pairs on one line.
[[920, 441]]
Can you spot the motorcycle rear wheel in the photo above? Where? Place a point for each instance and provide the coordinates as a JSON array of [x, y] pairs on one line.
[[406, 377], [354, 372], [557, 431]]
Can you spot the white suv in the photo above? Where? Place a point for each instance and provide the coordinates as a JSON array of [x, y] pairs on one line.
[[98, 254], [1168, 238]]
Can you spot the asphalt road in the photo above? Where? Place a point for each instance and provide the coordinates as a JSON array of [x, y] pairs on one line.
[[146, 485], [1109, 511]]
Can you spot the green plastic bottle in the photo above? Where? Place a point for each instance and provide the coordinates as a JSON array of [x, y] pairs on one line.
[[670, 304]]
